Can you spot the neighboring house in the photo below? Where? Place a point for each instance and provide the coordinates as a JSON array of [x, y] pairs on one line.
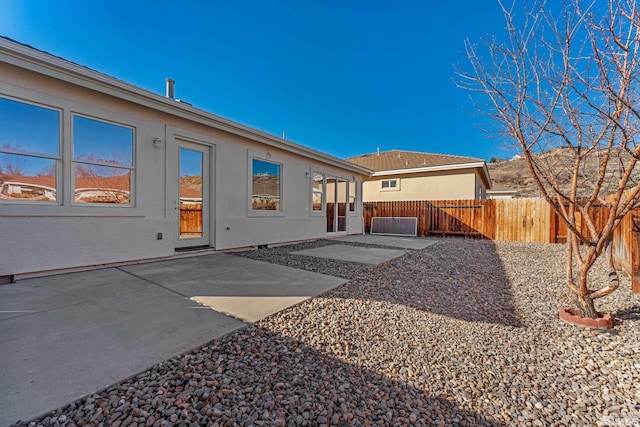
[[407, 175], [95, 171]]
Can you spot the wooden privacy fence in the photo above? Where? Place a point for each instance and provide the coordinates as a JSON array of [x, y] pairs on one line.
[[516, 220], [524, 220], [626, 247], [190, 219]]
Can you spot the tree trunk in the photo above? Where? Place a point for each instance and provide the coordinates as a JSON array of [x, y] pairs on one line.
[[587, 308]]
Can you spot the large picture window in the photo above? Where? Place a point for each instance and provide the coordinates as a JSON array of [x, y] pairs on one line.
[[103, 162], [29, 152], [265, 186]]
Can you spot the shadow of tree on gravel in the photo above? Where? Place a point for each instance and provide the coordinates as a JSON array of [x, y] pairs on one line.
[[462, 284], [258, 377], [457, 278], [629, 313]]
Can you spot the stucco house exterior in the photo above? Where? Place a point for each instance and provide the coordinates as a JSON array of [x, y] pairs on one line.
[[408, 175], [95, 171]]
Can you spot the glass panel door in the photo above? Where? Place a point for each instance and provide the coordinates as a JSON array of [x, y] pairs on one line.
[[342, 205], [331, 204], [193, 184], [336, 205]]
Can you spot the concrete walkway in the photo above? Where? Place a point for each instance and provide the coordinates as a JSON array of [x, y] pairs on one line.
[[391, 241], [367, 255], [359, 254], [65, 336]]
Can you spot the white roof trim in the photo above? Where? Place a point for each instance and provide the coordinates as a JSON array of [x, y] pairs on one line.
[[502, 191], [431, 168], [43, 63]]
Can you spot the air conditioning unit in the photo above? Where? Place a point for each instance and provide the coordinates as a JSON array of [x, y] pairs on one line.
[[394, 226]]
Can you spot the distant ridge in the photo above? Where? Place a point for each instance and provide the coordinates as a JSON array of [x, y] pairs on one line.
[[514, 173]]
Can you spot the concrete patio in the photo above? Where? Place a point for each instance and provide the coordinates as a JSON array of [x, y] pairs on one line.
[[69, 335]]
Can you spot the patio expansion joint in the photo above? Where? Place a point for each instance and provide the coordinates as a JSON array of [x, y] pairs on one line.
[[23, 313], [173, 291]]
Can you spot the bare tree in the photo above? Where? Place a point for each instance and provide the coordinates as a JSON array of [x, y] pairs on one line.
[[11, 165], [564, 87]]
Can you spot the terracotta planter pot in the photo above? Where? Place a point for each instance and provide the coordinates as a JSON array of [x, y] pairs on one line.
[[572, 316]]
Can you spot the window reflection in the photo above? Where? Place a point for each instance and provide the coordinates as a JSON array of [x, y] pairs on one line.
[[265, 193], [317, 192], [29, 128], [102, 142], [102, 184], [29, 152], [342, 205], [352, 196], [331, 204], [389, 184], [103, 161], [190, 193], [18, 183]]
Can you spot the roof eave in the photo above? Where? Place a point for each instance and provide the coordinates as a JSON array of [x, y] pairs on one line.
[[429, 169], [43, 63], [502, 191]]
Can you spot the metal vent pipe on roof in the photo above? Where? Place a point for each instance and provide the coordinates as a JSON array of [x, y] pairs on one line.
[[170, 92]]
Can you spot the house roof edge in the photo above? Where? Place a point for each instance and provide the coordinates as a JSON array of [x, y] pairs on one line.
[[27, 57]]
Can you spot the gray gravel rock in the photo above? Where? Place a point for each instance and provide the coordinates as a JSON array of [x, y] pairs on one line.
[[462, 333]]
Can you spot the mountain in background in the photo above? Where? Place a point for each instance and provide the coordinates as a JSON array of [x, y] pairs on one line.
[[513, 174]]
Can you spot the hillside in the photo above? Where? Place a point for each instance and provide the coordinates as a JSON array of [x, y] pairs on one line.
[[514, 174]]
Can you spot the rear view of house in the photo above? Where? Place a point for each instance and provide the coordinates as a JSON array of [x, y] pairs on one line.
[[95, 171]]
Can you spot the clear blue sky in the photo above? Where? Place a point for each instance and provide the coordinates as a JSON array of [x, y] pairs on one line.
[[343, 77]]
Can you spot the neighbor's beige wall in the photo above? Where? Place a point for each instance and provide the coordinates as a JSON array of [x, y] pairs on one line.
[[446, 185]]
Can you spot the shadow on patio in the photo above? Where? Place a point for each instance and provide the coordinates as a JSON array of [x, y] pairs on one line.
[[254, 376], [469, 286]]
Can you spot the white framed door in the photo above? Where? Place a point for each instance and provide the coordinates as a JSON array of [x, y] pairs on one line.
[[336, 205], [194, 194]]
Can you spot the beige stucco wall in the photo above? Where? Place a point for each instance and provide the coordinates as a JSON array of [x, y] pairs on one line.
[[443, 185], [38, 237]]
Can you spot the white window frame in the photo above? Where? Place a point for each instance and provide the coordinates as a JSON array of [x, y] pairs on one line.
[[64, 206], [132, 168], [56, 158], [390, 188], [354, 196], [269, 158], [324, 193]]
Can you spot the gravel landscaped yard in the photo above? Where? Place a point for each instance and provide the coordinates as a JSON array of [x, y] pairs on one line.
[[462, 333]]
